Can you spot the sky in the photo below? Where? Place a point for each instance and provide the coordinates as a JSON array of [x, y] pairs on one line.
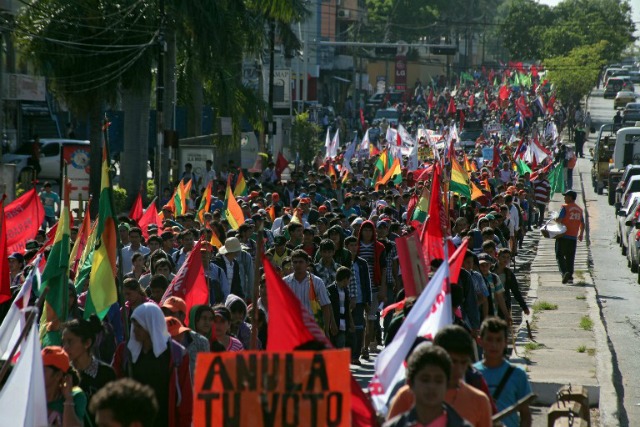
[[635, 10]]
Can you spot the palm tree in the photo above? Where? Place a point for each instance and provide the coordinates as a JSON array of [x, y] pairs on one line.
[[87, 49]]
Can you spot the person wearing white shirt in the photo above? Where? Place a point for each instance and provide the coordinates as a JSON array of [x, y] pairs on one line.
[[134, 247]]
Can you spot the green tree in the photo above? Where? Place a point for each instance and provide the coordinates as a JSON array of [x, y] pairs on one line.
[[524, 23], [305, 138], [88, 49], [574, 75]]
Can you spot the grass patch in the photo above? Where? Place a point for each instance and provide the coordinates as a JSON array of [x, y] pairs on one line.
[[591, 351], [531, 346], [581, 297], [582, 349], [544, 306], [586, 323]]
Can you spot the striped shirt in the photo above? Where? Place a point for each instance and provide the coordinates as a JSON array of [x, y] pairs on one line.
[[542, 190], [367, 252], [234, 344], [301, 290]]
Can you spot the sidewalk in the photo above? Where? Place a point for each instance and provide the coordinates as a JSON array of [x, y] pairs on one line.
[[566, 327]]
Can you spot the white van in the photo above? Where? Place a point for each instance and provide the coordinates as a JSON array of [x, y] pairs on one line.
[[627, 148]]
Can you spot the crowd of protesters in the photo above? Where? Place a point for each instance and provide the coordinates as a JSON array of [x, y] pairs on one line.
[[332, 241]]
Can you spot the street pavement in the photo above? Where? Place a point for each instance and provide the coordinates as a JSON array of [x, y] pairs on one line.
[[617, 289]]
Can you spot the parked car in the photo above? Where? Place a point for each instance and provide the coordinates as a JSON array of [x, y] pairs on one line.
[[631, 112], [633, 239], [629, 172], [50, 149], [623, 98], [633, 186], [390, 114], [617, 84], [622, 230], [471, 132]]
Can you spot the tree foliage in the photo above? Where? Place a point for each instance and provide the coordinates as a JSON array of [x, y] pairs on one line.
[[575, 74], [533, 31], [305, 137]]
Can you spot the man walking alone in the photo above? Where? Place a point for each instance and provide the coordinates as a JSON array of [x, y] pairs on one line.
[[571, 217]]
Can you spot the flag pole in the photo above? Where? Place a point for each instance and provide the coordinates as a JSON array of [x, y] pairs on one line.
[[253, 343], [119, 278], [23, 334]]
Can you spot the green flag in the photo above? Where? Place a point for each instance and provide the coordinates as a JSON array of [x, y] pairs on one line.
[[556, 180], [56, 277], [522, 167]]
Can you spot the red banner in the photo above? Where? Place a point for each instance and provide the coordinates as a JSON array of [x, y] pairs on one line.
[[413, 264], [23, 218]]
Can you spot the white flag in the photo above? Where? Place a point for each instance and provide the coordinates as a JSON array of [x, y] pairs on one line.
[[332, 147], [389, 366], [23, 401], [14, 322], [364, 145], [391, 136]]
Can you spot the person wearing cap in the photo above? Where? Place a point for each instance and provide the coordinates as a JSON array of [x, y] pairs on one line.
[[190, 340], [226, 260], [570, 216], [16, 265], [222, 325], [175, 307], [167, 211], [51, 202], [279, 251], [497, 305], [216, 278], [154, 359], [66, 402]]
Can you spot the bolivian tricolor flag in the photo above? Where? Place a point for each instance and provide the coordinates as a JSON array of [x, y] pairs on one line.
[[205, 203], [241, 185], [102, 281], [56, 277], [459, 179], [232, 211], [394, 171]]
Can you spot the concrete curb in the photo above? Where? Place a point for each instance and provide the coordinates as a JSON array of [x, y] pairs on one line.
[[608, 403]]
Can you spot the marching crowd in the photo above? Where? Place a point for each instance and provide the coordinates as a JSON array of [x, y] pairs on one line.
[[329, 232]]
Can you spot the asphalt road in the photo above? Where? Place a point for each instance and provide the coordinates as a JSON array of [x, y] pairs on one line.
[[617, 288]]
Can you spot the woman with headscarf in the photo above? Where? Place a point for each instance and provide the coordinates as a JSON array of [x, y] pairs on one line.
[[151, 357], [201, 319]]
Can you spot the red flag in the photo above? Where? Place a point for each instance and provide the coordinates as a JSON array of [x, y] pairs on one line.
[[431, 102], [281, 164], [451, 109], [23, 218], [495, 162], [150, 216], [190, 283], [504, 92], [412, 263], [136, 210], [5, 284], [534, 71], [432, 231], [291, 325], [455, 261], [551, 105], [472, 100], [462, 117]]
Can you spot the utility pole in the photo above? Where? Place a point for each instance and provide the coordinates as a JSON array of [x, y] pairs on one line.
[[160, 102]]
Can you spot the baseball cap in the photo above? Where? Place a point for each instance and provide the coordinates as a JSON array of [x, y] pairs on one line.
[[167, 208], [32, 244], [485, 258], [124, 225], [222, 312], [17, 256], [55, 357], [175, 304], [382, 224], [571, 194], [174, 326]]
